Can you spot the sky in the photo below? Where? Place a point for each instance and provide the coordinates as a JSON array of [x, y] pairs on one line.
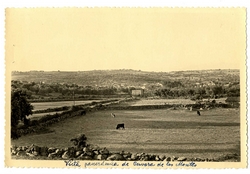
[[148, 39]]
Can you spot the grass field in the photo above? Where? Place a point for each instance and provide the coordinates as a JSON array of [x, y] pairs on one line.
[[46, 105], [170, 132]]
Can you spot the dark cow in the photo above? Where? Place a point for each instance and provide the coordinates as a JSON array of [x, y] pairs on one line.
[[112, 115], [198, 113], [120, 126], [83, 113]]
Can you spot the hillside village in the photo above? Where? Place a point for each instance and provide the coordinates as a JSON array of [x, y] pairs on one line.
[[59, 85]]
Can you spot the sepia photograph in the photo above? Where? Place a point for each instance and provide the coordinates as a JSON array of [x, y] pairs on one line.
[[125, 87]]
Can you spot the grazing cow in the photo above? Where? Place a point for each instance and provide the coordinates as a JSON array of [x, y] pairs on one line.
[[120, 126], [198, 112], [83, 113], [112, 115]]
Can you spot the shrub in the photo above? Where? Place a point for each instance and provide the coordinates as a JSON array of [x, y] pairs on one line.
[[79, 141]]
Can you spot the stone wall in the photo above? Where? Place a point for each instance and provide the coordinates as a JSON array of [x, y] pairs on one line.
[[93, 152]]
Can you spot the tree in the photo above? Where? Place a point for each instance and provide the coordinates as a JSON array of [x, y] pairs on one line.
[[217, 90], [20, 109], [200, 90], [191, 92], [209, 92], [34, 88], [233, 91]]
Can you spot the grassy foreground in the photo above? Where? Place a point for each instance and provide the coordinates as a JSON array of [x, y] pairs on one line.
[[171, 132]]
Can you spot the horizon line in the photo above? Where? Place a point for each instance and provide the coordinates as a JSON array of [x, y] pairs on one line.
[[122, 69]]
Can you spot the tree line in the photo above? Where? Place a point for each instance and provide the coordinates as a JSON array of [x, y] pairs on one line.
[[200, 92], [44, 89], [165, 89]]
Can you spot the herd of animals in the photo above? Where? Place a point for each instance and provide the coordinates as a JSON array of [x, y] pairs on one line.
[[121, 125]]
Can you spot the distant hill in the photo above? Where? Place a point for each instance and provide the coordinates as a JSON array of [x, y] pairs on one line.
[[126, 77]]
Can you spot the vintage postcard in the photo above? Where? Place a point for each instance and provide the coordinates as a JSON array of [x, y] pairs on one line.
[[153, 88]]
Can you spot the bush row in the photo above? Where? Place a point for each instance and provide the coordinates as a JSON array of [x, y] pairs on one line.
[[52, 110], [64, 108]]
